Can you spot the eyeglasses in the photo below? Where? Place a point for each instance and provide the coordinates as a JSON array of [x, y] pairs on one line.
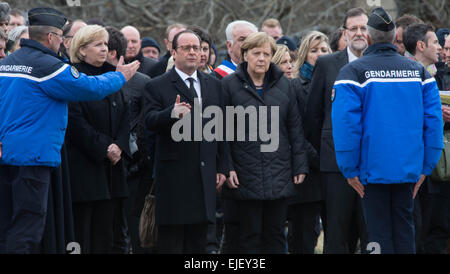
[[59, 35], [68, 36], [188, 48], [355, 29]]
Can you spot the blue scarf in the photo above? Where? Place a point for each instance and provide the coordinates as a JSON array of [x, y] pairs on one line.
[[306, 70]]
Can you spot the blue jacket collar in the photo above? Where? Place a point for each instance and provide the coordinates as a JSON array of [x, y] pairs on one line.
[[380, 47], [36, 45]]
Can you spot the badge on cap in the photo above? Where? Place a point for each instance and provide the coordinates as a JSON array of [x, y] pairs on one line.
[[74, 72], [381, 20], [333, 94]]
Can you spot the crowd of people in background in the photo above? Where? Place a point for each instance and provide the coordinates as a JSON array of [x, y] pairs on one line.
[[215, 197]]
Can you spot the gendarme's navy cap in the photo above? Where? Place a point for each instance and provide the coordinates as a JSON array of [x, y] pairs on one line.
[[46, 17], [381, 20]]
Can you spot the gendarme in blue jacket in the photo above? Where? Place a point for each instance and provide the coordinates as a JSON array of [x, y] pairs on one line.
[[387, 118], [35, 86]]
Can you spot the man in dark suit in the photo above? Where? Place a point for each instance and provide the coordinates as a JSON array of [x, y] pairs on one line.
[[343, 205], [186, 172]]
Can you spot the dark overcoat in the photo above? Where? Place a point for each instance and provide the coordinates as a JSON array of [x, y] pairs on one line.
[[92, 127], [311, 189], [185, 171], [318, 128]]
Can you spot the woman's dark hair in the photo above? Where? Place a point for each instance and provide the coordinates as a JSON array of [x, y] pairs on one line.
[[203, 34]]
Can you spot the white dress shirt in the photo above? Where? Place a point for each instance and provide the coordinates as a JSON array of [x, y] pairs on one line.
[[185, 77], [351, 56]]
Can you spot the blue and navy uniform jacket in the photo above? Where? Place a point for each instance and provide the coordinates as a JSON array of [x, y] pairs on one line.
[[35, 87], [387, 118]]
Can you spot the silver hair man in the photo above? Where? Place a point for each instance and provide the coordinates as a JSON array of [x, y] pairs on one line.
[[236, 32]]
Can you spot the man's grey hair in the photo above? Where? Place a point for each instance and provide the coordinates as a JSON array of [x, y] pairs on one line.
[[40, 33], [377, 36], [16, 32], [231, 26]]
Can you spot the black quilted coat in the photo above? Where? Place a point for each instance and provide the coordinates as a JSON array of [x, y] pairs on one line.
[[266, 175]]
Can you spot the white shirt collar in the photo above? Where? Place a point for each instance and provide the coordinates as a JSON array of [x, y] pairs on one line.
[[351, 56], [194, 75], [184, 76]]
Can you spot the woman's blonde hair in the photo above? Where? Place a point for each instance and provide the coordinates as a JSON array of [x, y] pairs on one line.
[[306, 45], [84, 37], [279, 54], [256, 40]]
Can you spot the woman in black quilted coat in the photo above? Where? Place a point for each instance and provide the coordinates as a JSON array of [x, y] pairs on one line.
[[265, 171]]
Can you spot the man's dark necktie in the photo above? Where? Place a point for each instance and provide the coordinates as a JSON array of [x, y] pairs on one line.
[[191, 87]]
